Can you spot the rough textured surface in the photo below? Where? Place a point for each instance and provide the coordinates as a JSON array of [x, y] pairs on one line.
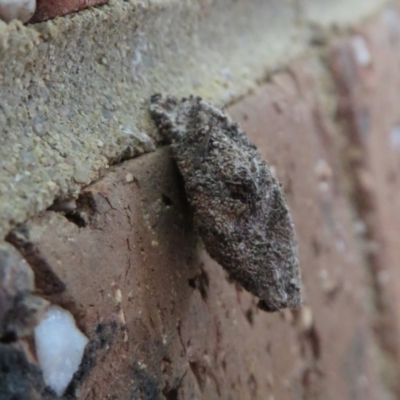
[[74, 97], [239, 207], [106, 75], [163, 320], [337, 13]]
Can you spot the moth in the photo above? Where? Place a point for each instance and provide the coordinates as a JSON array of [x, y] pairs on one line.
[[238, 205]]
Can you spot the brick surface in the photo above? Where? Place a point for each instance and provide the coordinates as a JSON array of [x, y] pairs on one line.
[[47, 9], [285, 122], [366, 68], [162, 318]]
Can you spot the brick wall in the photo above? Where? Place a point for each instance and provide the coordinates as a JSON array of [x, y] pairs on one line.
[[162, 318]]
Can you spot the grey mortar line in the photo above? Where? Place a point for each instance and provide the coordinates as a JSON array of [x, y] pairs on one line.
[[74, 90]]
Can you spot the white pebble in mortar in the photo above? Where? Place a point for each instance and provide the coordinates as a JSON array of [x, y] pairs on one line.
[[59, 348], [17, 9], [361, 51]]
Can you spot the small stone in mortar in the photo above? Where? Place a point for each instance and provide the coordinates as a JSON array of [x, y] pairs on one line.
[[17, 9], [239, 207], [59, 348]]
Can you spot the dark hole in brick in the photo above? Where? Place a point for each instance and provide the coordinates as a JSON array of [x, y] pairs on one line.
[[223, 364], [262, 305], [76, 219], [9, 337], [252, 384], [316, 247], [78, 212], [166, 200], [192, 283], [68, 208], [200, 282], [200, 373], [171, 394], [315, 343], [250, 316]]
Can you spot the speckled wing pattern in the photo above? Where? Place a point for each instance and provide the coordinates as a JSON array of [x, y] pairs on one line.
[[239, 207]]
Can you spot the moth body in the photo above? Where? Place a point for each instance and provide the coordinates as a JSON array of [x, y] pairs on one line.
[[239, 207]]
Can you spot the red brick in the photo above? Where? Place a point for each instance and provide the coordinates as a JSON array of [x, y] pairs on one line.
[[284, 121], [47, 9], [182, 328], [369, 112]]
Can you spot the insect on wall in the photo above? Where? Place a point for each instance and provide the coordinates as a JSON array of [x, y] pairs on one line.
[[239, 207]]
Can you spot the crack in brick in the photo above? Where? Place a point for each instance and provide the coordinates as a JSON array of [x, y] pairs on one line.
[[201, 282], [46, 281]]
